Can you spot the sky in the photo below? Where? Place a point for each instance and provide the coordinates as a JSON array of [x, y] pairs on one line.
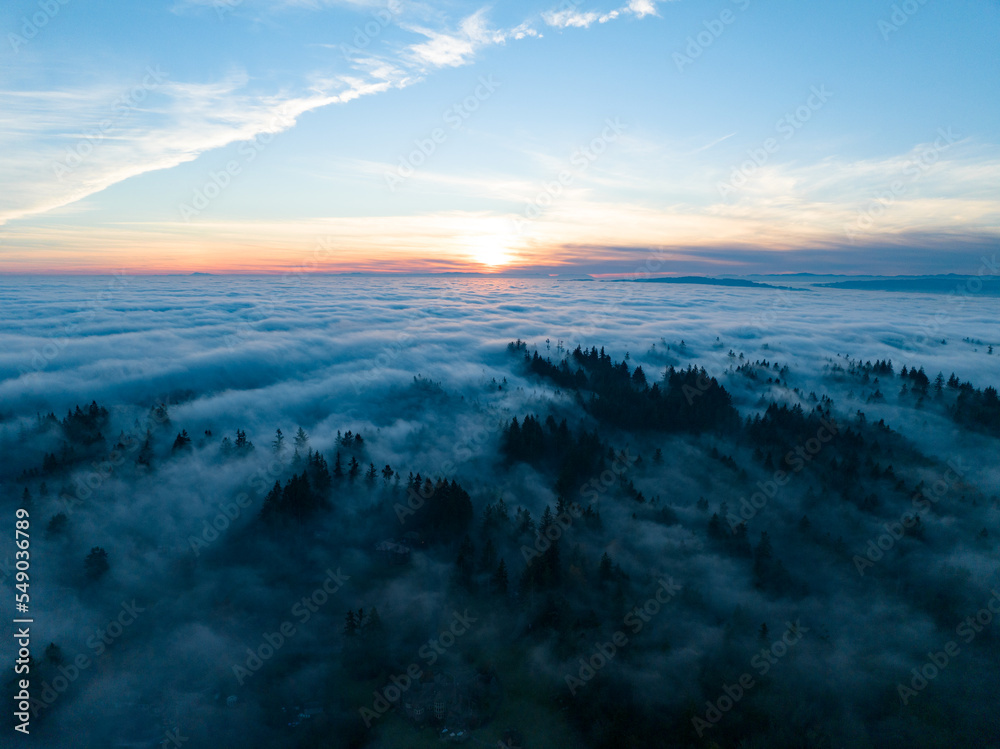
[[728, 137]]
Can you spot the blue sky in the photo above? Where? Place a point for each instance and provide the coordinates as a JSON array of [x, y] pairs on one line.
[[727, 137]]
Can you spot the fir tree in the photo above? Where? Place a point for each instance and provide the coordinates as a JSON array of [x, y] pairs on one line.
[[350, 625], [301, 439], [145, 456], [604, 569], [499, 581], [489, 557]]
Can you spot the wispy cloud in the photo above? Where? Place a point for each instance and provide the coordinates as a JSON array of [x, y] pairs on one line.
[[563, 19], [67, 144], [455, 48], [715, 142], [574, 18], [84, 141], [792, 207]]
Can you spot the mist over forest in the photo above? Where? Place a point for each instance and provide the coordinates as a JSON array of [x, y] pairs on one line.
[[310, 511]]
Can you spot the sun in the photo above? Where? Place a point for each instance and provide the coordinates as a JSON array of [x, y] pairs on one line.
[[490, 250]]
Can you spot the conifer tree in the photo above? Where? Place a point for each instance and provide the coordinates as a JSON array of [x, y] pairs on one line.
[[301, 439], [499, 582]]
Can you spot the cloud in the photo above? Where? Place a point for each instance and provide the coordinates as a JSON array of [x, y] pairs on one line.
[[155, 124], [573, 18], [455, 48], [563, 19], [67, 144], [783, 207], [641, 8]]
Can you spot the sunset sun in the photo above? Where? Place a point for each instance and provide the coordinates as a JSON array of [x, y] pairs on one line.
[[490, 250]]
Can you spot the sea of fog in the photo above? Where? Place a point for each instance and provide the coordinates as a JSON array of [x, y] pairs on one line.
[[258, 346], [324, 351], [421, 367]]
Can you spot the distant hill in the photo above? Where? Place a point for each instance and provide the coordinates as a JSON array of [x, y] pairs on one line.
[[707, 281], [923, 285]]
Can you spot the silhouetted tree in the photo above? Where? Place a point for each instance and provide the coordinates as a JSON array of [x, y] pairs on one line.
[[57, 524], [499, 582], [96, 564], [182, 442], [301, 439]]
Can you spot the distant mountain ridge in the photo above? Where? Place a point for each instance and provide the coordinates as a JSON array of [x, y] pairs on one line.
[[923, 284], [708, 281]]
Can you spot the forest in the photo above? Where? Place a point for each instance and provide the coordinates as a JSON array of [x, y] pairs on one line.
[[640, 558]]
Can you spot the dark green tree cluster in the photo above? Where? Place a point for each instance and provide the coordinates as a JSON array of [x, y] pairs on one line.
[[240, 446], [446, 512], [318, 471], [297, 499], [976, 408], [917, 378], [688, 399], [573, 457], [85, 425], [350, 440], [364, 643], [784, 425]]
